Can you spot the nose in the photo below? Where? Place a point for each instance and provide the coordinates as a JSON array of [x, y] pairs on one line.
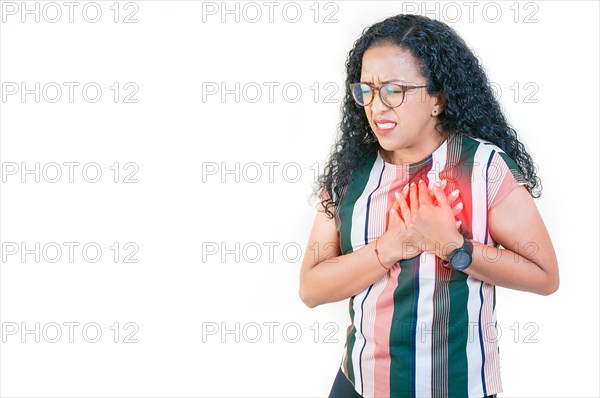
[[377, 105]]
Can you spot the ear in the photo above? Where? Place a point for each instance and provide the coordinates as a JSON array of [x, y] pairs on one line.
[[440, 101]]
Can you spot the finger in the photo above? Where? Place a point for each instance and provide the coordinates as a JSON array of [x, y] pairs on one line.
[[405, 191], [393, 219], [406, 194], [414, 203], [458, 224], [423, 193], [443, 185], [430, 191], [457, 209], [395, 212], [432, 198], [453, 196], [440, 196], [396, 205], [404, 209]]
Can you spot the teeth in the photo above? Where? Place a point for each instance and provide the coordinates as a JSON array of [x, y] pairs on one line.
[[385, 125]]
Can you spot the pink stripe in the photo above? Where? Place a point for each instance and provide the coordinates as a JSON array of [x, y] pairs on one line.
[[383, 324], [380, 201]]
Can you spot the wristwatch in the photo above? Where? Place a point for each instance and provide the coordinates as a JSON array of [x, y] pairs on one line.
[[462, 257]]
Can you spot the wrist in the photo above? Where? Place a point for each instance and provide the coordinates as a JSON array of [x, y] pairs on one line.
[[457, 240], [384, 253]]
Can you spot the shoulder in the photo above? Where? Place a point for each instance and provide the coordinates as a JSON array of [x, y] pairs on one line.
[[498, 161], [482, 144], [467, 147]]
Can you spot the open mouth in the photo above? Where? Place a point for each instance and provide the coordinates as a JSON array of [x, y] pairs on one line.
[[386, 126]]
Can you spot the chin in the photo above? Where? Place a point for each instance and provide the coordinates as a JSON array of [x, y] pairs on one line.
[[387, 144], [385, 147]]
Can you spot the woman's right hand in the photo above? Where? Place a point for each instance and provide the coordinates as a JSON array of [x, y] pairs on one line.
[[398, 235], [398, 239]]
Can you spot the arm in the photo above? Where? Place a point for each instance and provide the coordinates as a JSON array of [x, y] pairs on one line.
[[514, 223], [528, 261], [327, 276]]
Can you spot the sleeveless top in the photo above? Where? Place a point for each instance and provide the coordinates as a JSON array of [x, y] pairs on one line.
[[424, 330]]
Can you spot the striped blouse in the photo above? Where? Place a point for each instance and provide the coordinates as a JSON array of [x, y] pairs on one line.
[[423, 330]]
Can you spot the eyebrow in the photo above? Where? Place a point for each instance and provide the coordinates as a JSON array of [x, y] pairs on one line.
[[388, 81]]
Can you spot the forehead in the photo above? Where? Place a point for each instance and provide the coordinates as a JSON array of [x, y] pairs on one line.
[[387, 62]]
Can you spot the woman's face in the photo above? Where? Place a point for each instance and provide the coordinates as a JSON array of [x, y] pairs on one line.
[[413, 122]]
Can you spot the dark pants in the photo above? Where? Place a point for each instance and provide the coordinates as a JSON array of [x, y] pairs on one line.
[[342, 388]]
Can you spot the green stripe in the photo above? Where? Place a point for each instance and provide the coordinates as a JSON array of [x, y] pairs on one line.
[[463, 174], [458, 329], [458, 333], [356, 186], [404, 319]]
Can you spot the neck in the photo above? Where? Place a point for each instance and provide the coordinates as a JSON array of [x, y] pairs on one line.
[[414, 153]]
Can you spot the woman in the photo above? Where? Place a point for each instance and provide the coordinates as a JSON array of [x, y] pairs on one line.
[[426, 182]]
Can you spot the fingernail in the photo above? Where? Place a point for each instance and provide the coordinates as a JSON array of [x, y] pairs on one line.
[[458, 223], [444, 182], [454, 193], [405, 189], [460, 205], [412, 184], [421, 181], [397, 195]]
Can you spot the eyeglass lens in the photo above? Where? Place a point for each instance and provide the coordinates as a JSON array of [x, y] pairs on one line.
[[391, 94]]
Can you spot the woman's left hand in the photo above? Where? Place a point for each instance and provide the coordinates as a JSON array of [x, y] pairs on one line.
[[431, 225]]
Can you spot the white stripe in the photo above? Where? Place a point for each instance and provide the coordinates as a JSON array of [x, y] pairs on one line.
[[496, 174], [438, 158], [377, 216], [357, 239], [478, 227], [359, 212], [488, 313], [424, 336]]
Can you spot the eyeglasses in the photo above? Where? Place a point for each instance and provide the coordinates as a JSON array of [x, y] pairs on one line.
[[392, 94]]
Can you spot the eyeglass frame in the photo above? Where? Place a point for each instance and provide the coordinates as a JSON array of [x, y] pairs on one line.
[[404, 87]]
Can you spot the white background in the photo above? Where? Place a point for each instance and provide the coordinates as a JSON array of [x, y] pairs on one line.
[[179, 297]]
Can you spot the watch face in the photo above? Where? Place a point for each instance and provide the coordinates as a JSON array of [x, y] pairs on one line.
[[460, 260]]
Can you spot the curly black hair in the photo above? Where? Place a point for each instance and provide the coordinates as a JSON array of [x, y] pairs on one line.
[[449, 66]]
